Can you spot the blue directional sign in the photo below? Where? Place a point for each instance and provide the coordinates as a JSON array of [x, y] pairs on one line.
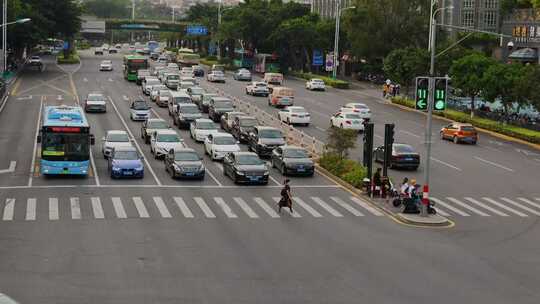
[[318, 59], [197, 30]]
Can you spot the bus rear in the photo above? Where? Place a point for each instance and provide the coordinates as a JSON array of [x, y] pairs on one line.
[[65, 141]]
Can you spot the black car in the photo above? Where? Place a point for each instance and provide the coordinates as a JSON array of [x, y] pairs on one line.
[[242, 126], [403, 156], [263, 140], [186, 113], [218, 106], [198, 71], [184, 163], [292, 160], [245, 167]]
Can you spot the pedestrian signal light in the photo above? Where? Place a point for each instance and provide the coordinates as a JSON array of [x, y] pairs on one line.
[[441, 89]]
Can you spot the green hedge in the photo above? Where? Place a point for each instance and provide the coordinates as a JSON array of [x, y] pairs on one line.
[[72, 59], [172, 49], [210, 62], [488, 124], [346, 169], [83, 45], [336, 83]]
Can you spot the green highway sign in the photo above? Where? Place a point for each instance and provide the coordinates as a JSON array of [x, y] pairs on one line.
[[422, 90]]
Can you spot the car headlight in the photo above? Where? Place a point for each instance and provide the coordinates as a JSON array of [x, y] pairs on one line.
[[116, 169], [139, 168], [239, 172], [177, 168], [266, 173]]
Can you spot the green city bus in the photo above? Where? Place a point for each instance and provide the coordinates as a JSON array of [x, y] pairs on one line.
[[133, 63]]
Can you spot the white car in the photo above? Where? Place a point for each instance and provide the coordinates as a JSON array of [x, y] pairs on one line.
[[294, 115], [347, 120], [106, 65], [114, 139], [218, 144], [173, 66], [315, 84], [155, 91], [95, 102], [189, 79], [139, 110], [257, 88], [215, 76], [34, 60], [148, 83], [359, 108], [201, 128], [161, 141], [163, 97], [186, 72]]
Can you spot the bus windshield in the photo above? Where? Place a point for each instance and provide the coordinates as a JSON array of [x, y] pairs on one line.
[[65, 146]]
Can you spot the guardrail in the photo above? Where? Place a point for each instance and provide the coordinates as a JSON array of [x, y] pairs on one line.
[[294, 136]]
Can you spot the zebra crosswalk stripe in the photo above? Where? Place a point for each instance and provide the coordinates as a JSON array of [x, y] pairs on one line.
[[54, 215], [141, 208], [160, 204], [502, 206], [97, 208], [226, 209], [245, 207], [366, 206], [307, 207], [527, 201], [520, 206], [326, 207], [474, 201], [8, 209], [346, 206], [31, 209], [293, 214], [264, 206], [183, 207], [204, 207], [449, 207], [462, 204], [75, 208], [118, 208]]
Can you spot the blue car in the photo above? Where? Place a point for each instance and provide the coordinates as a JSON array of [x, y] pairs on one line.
[[126, 162]]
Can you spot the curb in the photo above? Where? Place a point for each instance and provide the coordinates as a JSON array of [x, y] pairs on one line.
[[395, 216], [492, 133]]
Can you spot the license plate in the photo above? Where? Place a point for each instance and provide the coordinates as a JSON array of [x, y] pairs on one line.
[[253, 178], [301, 169], [190, 173], [408, 158], [128, 173]]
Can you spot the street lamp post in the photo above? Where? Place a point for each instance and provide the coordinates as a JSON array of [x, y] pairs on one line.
[[336, 36], [220, 11]]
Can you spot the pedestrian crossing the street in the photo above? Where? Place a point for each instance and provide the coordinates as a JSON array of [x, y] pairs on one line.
[[253, 208]]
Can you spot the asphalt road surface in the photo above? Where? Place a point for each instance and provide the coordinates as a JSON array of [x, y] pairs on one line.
[[158, 240]]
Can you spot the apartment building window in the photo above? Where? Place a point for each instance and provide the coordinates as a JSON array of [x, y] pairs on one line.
[[490, 19], [468, 4], [467, 18], [491, 4]]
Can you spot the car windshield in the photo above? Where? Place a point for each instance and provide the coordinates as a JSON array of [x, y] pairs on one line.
[[217, 73], [248, 122], [157, 125], [182, 99], [248, 160], [224, 140], [190, 110], [197, 91], [298, 110], [467, 128], [295, 153], [352, 116], [96, 97], [403, 149], [168, 138], [35, 57], [186, 156], [152, 82], [270, 134], [140, 106], [106, 62], [118, 137], [317, 81], [223, 104], [163, 93], [260, 84], [127, 155], [206, 125], [360, 106], [173, 77]]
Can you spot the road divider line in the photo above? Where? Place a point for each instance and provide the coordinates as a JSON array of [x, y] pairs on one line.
[[274, 180], [30, 209], [93, 167], [97, 208], [75, 208], [326, 207], [9, 208], [494, 164], [226, 209], [346, 206], [141, 208], [134, 140], [34, 151], [54, 215], [449, 207], [445, 163], [204, 207], [502, 206], [16, 87], [160, 204], [306, 207], [264, 206], [183, 207], [474, 201], [520, 206], [245, 207], [118, 208], [213, 177], [294, 214]]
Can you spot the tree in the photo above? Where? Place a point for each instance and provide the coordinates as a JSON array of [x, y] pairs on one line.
[[504, 82], [404, 65], [531, 79], [340, 141], [467, 74], [108, 8]]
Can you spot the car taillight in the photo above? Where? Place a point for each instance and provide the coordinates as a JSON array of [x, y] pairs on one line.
[[460, 133], [348, 122], [355, 110]]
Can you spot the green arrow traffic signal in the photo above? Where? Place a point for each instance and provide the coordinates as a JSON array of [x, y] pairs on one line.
[[422, 89]]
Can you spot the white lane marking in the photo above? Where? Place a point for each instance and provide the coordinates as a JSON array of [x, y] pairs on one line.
[[213, 177], [520, 206], [462, 204], [53, 209], [274, 180], [306, 207], [494, 202], [25, 97], [346, 206], [442, 212], [264, 206], [119, 208], [449, 207], [474, 201], [494, 164], [226, 209], [141, 208], [293, 214], [33, 164], [85, 79], [245, 207], [445, 163], [125, 97], [12, 165], [489, 148], [537, 159], [527, 201], [204, 207], [409, 133], [134, 141], [30, 209], [75, 208], [183, 207], [97, 208], [320, 129], [160, 204], [110, 79], [93, 164], [366, 206], [8, 209], [326, 207]]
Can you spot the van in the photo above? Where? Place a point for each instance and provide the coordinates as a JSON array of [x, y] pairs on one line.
[[273, 80], [281, 97], [172, 80], [177, 98]]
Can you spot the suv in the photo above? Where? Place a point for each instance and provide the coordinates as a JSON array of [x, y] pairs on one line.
[[242, 126], [172, 80], [205, 101], [263, 140], [150, 125], [218, 106]]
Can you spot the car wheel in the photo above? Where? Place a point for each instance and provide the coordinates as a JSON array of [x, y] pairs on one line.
[[147, 140], [473, 142], [456, 140], [288, 121], [441, 135], [341, 126]]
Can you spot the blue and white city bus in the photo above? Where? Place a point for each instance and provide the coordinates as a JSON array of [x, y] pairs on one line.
[[152, 45], [65, 141]]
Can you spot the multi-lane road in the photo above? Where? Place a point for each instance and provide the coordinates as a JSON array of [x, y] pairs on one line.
[[159, 240]]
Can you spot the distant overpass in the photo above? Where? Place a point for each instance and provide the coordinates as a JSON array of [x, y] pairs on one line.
[[145, 25]]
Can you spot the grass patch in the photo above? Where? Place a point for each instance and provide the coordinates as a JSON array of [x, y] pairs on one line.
[[348, 170], [72, 59], [335, 83]]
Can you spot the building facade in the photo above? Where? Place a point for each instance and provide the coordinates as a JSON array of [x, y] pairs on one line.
[[476, 14], [522, 33], [327, 8]]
